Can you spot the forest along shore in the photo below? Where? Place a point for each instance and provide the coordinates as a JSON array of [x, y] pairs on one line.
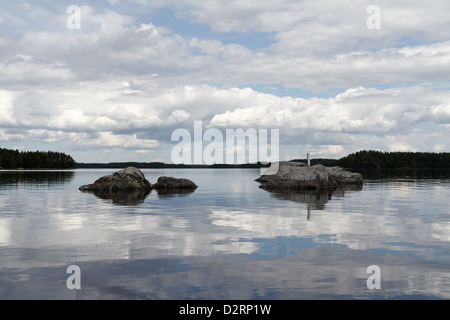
[[14, 159]]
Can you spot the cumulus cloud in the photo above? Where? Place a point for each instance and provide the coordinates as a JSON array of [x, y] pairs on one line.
[[109, 139], [329, 123], [359, 110]]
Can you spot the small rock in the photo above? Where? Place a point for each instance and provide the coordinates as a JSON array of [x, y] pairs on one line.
[[165, 183]]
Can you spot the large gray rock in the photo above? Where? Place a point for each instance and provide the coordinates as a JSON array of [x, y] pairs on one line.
[[126, 179], [295, 175]]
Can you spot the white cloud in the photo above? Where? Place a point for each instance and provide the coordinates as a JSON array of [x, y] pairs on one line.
[[356, 110], [318, 26], [330, 150], [105, 139], [178, 116], [402, 147], [7, 108], [111, 140], [144, 151], [439, 148]]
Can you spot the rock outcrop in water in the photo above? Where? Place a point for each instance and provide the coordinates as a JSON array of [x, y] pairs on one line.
[[131, 181], [170, 183], [296, 175], [126, 179]]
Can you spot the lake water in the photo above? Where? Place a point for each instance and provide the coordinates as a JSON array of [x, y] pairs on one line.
[[227, 240]]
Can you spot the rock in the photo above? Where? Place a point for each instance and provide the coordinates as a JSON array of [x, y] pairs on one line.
[[295, 175], [343, 177], [126, 179], [170, 183]]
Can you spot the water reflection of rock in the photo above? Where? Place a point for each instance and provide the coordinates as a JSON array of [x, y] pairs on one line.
[[137, 197], [125, 198], [170, 193], [314, 199]]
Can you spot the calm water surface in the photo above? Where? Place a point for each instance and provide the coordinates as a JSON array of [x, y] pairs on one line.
[[227, 240]]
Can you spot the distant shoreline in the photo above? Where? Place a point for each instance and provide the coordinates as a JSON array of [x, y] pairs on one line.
[[161, 165]]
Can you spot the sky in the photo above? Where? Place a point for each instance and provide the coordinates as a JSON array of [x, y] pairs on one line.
[[112, 80]]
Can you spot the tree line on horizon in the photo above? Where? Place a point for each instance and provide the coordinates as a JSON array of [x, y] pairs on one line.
[[160, 165], [15, 159], [363, 160], [395, 160]]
